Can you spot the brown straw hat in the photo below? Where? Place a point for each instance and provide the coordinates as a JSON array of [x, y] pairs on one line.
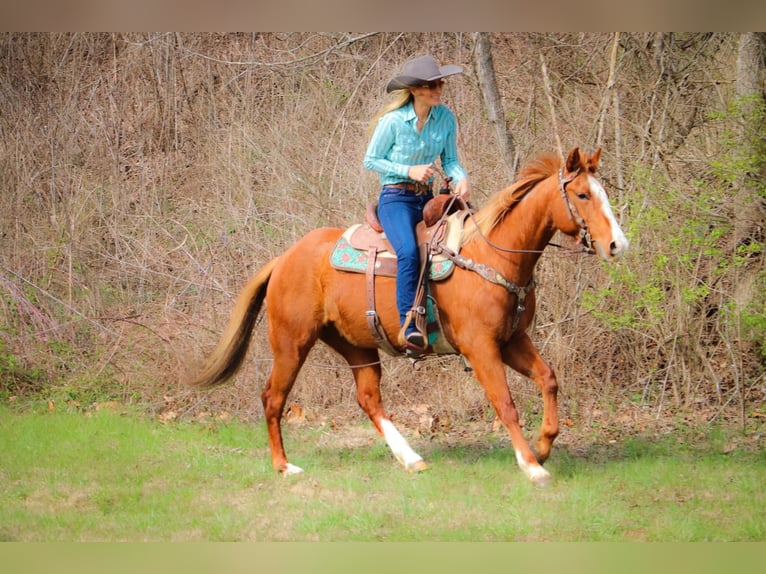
[[419, 71]]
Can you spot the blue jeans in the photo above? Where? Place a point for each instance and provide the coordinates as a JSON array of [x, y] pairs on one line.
[[399, 211]]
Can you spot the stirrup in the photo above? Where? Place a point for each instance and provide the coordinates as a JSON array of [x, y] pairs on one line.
[[416, 344], [410, 319]]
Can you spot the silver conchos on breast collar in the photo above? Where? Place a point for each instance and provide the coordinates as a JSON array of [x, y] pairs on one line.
[[494, 276]]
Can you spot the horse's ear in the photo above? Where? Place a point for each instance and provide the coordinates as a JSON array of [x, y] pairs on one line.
[[574, 161], [593, 163]]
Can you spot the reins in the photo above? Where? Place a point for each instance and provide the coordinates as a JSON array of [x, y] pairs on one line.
[[572, 212], [490, 273]]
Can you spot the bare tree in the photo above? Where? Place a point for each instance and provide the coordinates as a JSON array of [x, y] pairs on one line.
[[494, 106], [749, 211], [611, 93]]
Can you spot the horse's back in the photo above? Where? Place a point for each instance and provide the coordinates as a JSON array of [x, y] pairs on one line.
[[319, 239], [306, 258]]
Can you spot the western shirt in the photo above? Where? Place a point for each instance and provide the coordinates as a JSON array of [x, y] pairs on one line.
[[396, 145]]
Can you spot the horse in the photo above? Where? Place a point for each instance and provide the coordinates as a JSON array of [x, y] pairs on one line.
[[484, 316]]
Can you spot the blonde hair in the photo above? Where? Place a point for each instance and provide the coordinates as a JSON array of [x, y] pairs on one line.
[[399, 99]]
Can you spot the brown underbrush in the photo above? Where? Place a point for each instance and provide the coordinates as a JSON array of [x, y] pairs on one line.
[[146, 175]]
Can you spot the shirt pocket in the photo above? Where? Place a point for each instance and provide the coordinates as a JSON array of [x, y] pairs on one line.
[[409, 141], [436, 139]]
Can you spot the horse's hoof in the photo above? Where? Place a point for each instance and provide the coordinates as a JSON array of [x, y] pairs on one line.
[[540, 454], [290, 470], [537, 474], [417, 466], [542, 480]]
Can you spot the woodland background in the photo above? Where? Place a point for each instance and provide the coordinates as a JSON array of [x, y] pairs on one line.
[[145, 176]]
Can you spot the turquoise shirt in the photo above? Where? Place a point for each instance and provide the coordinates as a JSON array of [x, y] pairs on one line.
[[396, 145]]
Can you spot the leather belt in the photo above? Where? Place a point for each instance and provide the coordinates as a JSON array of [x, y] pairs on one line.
[[418, 188]]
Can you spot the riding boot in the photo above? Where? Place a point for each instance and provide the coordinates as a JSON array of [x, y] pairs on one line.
[[414, 332]]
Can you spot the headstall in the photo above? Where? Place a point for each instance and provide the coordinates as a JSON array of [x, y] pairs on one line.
[[585, 238]]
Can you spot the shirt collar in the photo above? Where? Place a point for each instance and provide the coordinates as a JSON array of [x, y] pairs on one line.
[[411, 116]]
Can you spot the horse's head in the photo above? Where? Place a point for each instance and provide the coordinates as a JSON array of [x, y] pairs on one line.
[[587, 206]]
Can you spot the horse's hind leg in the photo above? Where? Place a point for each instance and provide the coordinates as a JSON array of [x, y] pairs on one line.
[[289, 356], [365, 364], [367, 377], [522, 356]]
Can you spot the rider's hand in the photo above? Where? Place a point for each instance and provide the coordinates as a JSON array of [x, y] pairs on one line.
[[463, 189], [421, 173]]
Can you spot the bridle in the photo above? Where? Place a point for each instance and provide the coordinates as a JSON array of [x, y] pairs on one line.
[[490, 273], [584, 236]]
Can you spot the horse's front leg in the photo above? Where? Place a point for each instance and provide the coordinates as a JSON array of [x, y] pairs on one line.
[[490, 371], [521, 355]]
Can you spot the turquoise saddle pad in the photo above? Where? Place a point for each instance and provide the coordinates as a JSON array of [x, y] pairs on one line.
[[348, 258]]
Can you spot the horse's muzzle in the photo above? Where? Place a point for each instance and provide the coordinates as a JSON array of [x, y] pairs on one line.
[[617, 248]]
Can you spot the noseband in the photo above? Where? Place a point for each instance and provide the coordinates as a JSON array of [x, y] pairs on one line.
[[585, 238]]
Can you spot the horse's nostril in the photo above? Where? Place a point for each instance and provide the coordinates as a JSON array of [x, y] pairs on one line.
[[617, 248]]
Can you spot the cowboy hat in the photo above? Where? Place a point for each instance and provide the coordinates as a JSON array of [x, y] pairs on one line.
[[419, 71]]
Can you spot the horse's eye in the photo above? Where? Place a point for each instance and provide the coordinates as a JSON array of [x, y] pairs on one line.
[[582, 196]]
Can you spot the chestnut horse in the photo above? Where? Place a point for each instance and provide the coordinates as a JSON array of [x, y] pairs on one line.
[[307, 299]]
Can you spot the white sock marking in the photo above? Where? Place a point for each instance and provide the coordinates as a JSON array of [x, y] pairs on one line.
[[291, 469], [399, 445], [534, 472]]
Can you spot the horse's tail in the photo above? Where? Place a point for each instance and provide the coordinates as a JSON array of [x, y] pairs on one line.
[[227, 357]]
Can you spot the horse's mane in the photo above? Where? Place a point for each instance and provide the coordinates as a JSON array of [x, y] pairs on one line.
[[501, 204]]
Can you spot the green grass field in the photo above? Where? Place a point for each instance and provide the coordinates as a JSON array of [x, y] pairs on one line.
[[107, 476]]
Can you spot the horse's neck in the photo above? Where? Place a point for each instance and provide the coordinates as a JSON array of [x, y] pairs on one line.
[[525, 231]]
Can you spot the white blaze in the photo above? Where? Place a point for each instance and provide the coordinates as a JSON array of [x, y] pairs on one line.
[[619, 240]]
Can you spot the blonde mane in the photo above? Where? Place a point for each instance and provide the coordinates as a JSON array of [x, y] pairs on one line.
[[503, 202]]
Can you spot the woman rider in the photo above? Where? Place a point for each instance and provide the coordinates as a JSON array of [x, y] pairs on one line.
[[408, 135]]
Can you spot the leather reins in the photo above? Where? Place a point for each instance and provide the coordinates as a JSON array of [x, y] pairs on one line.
[[584, 236], [493, 275]]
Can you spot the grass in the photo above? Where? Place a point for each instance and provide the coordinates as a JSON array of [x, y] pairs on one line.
[[107, 476]]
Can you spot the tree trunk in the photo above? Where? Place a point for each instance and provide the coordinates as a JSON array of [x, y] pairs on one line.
[[749, 209], [488, 84], [611, 94], [749, 205], [749, 63]]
